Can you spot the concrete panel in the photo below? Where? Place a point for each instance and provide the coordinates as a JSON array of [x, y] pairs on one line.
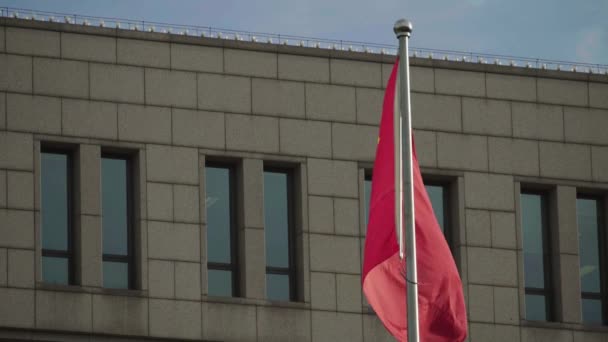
[[61, 77], [369, 105], [2, 39], [144, 123], [356, 73], [354, 142], [278, 98], [321, 214], [21, 268], [161, 278], [457, 82], [436, 112], [566, 219], [599, 160], [598, 95], [218, 322], [185, 203], [479, 229], [162, 161], [3, 266], [329, 102], [464, 152], [17, 309], [175, 319], [584, 125], [492, 266], [374, 331], [334, 254], [16, 151], [488, 117], [334, 326], [252, 133], [323, 291], [170, 88], [511, 87], [537, 121], [552, 156], [160, 201], [421, 79], [117, 83], [120, 315], [504, 233], [17, 228], [481, 303], [254, 263], [349, 291], [174, 241], [346, 212], [89, 119], [88, 47], [64, 311], [588, 336], [303, 68], [332, 178], [282, 324], [481, 332], [250, 63], [39, 114], [506, 305], [513, 156], [89, 242], [3, 111], [305, 137], [142, 52], [16, 73], [426, 148], [224, 93], [188, 280], [487, 191], [20, 190], [198, 128], [531, 334], [569, 283], [197, 58], [32, 42], [252, 188], [564, 92]]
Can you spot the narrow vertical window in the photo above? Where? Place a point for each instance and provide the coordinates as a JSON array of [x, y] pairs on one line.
[[367, 193], [279, 234], [592, 258], [117, 221], [438, 194], [56, 214], [221, 230], [537, 266]]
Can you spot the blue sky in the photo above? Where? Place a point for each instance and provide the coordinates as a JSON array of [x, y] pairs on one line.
[[574, 31]]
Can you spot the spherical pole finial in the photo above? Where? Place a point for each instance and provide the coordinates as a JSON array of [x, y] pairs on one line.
[[403, 27]]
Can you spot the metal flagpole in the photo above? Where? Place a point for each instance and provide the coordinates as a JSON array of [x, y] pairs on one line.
[[404, 179]]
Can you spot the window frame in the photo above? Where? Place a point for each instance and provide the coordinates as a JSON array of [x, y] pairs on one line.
[[233, 266], [549, 290], [291, 271], [603, 254], [130, 184], [70, 254]]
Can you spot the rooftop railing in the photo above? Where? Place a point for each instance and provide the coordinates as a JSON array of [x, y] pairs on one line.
[[291, 40]]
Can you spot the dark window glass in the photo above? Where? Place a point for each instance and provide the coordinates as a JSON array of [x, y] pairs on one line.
[[116, 221], [221, 230], [437, 195], [56, 214], [591, 249], [367, 188], [536, 256], [278, 231]]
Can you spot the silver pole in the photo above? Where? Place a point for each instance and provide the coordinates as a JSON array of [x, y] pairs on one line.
[[407, 237]]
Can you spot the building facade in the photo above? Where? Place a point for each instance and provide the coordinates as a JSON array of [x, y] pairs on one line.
[[165, 187]]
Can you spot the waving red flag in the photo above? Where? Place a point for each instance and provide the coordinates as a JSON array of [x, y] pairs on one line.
[[442, 311]]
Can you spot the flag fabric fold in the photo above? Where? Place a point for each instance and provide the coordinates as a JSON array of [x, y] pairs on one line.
[[442, 313]]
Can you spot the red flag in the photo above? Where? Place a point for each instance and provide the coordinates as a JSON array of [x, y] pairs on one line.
[[442, 311]]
